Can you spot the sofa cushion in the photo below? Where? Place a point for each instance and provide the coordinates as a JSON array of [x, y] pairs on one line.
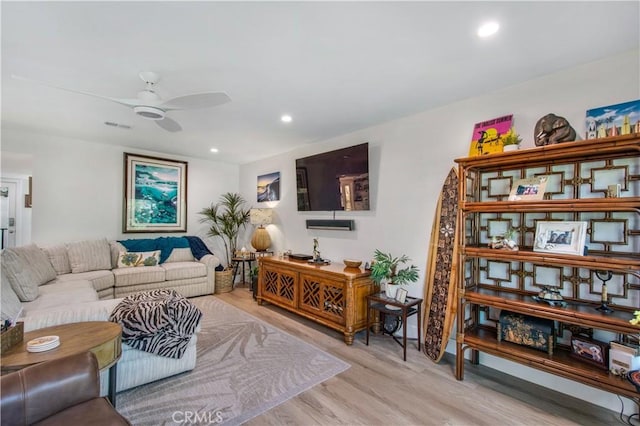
[[101, 280], [90, 255], [60, 294], [183, 270], [59, 258], [127, 259], [143, 275], [115, 248], [26, 268], [10, 303], [180, 255]]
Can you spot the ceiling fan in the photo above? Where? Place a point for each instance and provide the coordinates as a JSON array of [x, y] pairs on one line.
[[150, 105]]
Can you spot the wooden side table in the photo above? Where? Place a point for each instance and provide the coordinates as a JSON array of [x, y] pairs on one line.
[[103, 338], [385, 305], [242, 262]]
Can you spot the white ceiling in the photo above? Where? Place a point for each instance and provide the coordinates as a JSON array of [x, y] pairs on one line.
[[335, 67]]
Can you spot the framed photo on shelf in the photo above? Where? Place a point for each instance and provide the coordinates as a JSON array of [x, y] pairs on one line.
[[155, 194], [560, 237], [401, 295], [529, 189], [590, 351]]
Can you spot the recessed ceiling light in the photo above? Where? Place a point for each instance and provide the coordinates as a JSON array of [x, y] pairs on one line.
[[286, 118], [214, 150], [488, 29]]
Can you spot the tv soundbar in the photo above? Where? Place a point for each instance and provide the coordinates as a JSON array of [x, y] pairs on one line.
[[333, 224]]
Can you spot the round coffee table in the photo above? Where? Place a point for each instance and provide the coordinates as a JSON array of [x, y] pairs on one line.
[[103, 338]]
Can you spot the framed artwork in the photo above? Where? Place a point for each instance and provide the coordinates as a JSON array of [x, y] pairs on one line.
[[613, 120], [487, 135], [590, 350], [155, 194], [560, 237], [269, 187], [401, 295], [529, 189]]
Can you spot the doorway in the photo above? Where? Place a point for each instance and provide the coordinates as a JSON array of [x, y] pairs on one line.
[[8, 201]]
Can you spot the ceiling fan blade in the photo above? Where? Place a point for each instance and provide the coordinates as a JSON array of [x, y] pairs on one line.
[[169, 125], [196, 100], [125, 102]]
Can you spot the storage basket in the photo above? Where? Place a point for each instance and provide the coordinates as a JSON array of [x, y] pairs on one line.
[[224, 281], [11, 337]]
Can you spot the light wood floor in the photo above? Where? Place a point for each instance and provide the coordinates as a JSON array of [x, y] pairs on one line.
[[381, 389]]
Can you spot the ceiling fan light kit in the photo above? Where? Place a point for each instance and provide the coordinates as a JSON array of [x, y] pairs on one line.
[[151, 113]]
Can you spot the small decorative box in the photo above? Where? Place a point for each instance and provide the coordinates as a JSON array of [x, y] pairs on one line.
[[526, 330], [11, 337]]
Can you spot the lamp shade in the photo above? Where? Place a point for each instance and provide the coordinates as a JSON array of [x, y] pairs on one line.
[[261, 216]]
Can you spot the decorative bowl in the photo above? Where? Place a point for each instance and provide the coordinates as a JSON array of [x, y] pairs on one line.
[[352, 263]]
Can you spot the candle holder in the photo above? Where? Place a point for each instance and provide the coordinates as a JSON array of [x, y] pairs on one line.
[[604, 302]]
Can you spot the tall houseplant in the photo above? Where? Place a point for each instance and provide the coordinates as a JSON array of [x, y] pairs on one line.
[[225, 219], [385, 267]]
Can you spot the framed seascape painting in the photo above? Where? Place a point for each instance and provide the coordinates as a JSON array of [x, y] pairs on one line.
[[155, 194]]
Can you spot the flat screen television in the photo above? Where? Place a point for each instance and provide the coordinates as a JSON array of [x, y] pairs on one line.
[[334, 180]]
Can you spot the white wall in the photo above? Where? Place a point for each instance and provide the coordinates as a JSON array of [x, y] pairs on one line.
[[78, 187], [409, 160]]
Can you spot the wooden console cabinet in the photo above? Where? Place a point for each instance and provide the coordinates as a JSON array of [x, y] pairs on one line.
[[331, 295], [579, 175]]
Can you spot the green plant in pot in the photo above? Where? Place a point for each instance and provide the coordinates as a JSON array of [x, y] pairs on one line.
[[225, 219], [511, 140], [386, 267]]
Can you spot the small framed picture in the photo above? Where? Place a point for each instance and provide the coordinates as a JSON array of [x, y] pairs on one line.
[[560, 237], [401, 295], [589, 350], [529, 189]]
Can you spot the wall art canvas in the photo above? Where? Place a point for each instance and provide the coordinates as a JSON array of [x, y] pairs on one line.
[[613, 120], [155, 194], [269, 187], [487, 135]]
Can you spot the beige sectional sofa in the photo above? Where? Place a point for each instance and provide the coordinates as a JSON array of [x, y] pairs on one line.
[[77, 282], [97, 261]]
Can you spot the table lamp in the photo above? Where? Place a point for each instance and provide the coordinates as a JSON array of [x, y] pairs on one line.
[[261, 240]]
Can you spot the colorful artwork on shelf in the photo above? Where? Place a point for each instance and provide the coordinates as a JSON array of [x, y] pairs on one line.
[[269, 187], [487, 135], [613, 120]]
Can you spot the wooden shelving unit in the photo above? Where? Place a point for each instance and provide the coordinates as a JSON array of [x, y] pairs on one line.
[[491, 279]]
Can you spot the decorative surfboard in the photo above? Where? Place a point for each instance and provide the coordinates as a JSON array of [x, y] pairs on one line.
[[440, 283]]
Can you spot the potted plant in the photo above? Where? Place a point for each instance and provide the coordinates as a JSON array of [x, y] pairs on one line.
[[511, 140], [385, 267], [225, 219]]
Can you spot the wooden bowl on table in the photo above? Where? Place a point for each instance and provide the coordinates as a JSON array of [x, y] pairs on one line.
[[352, 263]]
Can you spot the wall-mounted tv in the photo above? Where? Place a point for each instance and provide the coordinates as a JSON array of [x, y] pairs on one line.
[[335, 180]]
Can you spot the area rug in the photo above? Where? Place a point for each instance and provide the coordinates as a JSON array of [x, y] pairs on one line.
[[244, 368]]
